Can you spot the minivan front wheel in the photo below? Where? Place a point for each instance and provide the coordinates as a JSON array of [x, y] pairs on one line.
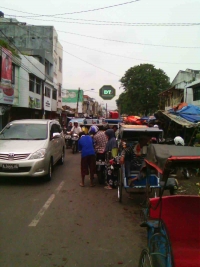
[[61, 160], [50, 170]]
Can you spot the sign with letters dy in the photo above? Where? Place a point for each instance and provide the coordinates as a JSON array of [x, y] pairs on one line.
[[107, 92]]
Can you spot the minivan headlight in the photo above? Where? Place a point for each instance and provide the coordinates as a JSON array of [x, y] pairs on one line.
[[38, 154]]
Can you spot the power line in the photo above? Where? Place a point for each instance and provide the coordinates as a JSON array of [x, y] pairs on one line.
[[110, 23], [110, 40], [21, 53], [65, 52], [106, 52], [125, 56], [76, 56], [91, 64], [75, 12], [24, 67]]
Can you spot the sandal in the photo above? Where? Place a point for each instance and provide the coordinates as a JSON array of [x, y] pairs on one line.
[[82, 185]]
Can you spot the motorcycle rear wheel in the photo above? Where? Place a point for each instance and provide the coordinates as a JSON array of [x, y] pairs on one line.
[[101, 176], [67, 145]]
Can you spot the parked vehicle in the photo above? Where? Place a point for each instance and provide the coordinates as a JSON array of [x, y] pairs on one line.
[[128, 136], [172, 222], [113, 114], [75, 138], [31, 148], [100, 167]]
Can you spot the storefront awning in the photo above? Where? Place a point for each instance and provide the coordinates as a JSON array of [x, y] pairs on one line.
[[177, 119]]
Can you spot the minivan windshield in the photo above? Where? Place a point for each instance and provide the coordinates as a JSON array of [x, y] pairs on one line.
[[24, 132]]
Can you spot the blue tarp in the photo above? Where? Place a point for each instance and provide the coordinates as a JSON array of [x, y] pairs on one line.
[[192, 118], [150, 118], [189, 112]]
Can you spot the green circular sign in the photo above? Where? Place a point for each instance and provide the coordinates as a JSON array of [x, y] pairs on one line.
[[107, 92]]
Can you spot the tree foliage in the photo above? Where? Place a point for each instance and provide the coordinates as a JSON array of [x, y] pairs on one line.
[[142, 84]]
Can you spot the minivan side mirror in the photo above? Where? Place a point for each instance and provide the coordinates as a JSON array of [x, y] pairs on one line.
[[55, 135]]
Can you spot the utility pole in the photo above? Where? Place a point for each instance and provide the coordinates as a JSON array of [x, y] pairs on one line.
[[78, 100]]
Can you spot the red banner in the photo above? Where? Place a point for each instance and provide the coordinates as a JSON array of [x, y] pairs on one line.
[[6, 89], [6, 66]]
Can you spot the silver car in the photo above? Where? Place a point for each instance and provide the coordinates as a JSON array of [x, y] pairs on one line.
[[31, 148]]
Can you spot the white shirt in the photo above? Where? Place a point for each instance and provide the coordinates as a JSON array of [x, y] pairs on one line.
[[76, 130]]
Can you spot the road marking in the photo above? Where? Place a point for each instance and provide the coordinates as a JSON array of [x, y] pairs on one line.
[[59, 187], [37, 218], [35, 221]]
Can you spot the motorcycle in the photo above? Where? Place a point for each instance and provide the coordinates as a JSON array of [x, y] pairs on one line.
[[74, 139], [113, 169], [100, 167], [68, 140]]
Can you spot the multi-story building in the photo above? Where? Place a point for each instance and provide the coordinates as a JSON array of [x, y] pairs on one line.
[[21, 88], [42, 43], [180, 90]]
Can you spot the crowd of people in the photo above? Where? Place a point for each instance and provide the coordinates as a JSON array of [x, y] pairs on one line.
[[95, 144]]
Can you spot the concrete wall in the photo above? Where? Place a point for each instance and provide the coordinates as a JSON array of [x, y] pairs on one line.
[[29, 37]]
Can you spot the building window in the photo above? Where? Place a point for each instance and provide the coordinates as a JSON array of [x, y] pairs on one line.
[[196, 93], [13, 74], [31, 83], [59, 90], [47, 67], [60, 64], [47, 92], [38, 86], [54, 94]]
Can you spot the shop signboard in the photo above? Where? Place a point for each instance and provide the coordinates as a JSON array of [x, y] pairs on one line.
[[47, 103], [34, 103], [6, 88], [107, 92], [70, 98]]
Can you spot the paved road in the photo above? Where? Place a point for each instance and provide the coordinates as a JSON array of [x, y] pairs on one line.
[[62, 224]]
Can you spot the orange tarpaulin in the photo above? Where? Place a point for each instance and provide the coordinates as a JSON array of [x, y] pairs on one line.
[[133, 120], [180, 106]]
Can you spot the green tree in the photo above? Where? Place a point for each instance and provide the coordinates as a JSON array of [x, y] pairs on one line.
[[124, 104], [142, 84]]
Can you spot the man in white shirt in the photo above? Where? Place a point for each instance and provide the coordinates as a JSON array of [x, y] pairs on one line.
[[76, 129]]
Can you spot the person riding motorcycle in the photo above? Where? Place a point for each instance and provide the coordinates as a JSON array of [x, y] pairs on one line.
[[69, 127], [76, 129]]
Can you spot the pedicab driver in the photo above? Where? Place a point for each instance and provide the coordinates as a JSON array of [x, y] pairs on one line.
[[133, 156]]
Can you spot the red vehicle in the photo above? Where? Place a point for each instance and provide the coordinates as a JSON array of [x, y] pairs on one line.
[[113, 115]]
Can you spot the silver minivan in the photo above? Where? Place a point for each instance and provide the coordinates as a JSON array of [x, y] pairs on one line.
[[31, 148]]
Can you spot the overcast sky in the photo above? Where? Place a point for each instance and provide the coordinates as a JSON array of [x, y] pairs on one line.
[[170, 48]]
